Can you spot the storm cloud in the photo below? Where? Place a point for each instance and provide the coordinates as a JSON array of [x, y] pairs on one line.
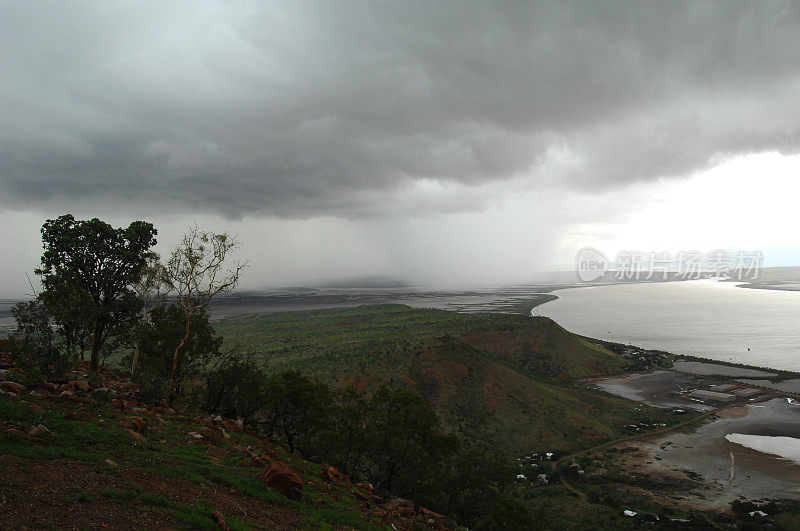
[[364, 109]]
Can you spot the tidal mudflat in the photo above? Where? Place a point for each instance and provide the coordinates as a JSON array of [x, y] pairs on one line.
[[714, 369], [717, 452], [659, 388]]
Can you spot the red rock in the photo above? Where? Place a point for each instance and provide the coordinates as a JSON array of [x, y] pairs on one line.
[[81, 385], [136, 436], [66, 395], [39, 431], [399, 506], [48, 386], [271, 454], [231, 426], [217, 452], [252, 463], [12, 387], [220, 520], [138, 424], [210, 432], [280, 477], [117, 404], [13, 431], [36, 408], [330, 473]]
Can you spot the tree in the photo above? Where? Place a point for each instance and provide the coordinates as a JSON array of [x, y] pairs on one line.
[[195, 271], [100, 263], [37, 347], [157, 339], [342, 442], [235, 387], [71, 309], [404, 441], [297, 408], [150, 289]]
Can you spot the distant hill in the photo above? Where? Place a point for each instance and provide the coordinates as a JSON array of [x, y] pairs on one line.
[[505, 382]]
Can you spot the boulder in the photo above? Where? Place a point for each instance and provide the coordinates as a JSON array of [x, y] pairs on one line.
[[103, 396], [220, 521], [39, 431], [231, 426], [136, 436], [330, 473], [49, 387], [217, 452], [12, 387], [281, 478], [399, 506], [138, 424], [436, 518]]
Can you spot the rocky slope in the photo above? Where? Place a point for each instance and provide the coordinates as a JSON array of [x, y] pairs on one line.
[[85, 452]]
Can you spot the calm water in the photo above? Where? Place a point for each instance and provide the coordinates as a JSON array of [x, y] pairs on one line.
[[703, 318]]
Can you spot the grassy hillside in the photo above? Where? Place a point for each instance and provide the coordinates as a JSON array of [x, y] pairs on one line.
[[67, 462], [501, 381]]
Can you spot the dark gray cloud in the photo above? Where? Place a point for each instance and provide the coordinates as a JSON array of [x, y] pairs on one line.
[[302, 108]]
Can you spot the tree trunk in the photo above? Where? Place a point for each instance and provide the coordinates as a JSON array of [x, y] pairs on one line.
[[135, 359], [97, 336], [175, 360]]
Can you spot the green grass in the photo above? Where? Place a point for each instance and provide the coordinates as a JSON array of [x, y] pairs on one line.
[[93, 435]]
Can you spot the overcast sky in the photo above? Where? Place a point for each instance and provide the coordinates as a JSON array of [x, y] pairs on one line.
[[440, 142]]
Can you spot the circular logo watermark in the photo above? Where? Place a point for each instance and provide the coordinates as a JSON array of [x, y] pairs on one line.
[[590, 264]]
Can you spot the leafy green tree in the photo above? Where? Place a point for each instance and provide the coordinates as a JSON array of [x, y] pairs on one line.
[[101, 262], [71, 310], [236, 388], [157, 339], [404, 441], [36, 344], [342, 443], [297, 408], [473, 487], [151, 291]]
